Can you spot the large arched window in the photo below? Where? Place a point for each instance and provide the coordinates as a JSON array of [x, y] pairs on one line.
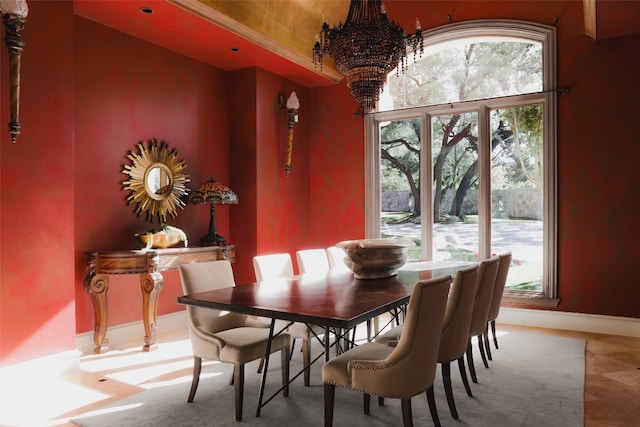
[[461, 151]]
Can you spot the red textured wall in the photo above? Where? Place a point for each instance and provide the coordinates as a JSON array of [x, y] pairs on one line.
[[37, 300], [336, 167], [273, 214], [127, 90], [598, 151]]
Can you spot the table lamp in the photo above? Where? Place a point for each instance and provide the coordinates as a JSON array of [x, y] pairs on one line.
[[213, 193]]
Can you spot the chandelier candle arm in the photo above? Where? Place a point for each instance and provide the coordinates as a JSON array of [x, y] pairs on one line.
[[366, 48]]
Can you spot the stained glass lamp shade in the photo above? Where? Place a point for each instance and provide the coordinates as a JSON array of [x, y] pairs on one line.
[[213, 193]]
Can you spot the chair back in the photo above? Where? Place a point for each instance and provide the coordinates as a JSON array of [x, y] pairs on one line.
[[336, 258], [501, 281], [457, 317], [410, 368], [207, 276], [272, 266], [486, 282], [312, 261]]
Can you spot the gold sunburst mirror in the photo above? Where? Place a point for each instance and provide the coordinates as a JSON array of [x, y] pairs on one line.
[[156, 180]]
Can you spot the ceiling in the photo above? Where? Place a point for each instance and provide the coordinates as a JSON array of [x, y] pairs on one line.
[[232, 35], [226, 34]]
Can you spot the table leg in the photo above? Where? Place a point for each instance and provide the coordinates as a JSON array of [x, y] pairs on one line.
[[265, 368], [97, 287], [327, 345], [151, 285]]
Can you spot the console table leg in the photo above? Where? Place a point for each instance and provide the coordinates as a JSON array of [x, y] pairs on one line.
[[97, 287], [151, 284]]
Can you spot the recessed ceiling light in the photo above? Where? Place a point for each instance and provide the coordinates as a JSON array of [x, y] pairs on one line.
[[146, 10]]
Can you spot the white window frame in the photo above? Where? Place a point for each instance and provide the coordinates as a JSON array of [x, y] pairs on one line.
[[547, 97]]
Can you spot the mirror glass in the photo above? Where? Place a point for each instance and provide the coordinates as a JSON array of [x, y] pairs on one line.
[[156, 180]]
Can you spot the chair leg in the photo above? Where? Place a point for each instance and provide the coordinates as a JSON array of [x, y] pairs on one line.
[[329, 397], [197, 367], [481, 347], [463, 374], [366, 403], [239, 389], [407, 416], [284, 360], [493, 332], [487, 347], [380, 401], [432, 406], [448, 391], [261, 365], [472, 368], [306, 360]]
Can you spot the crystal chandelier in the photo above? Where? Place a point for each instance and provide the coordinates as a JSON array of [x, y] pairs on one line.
[[366, 48]]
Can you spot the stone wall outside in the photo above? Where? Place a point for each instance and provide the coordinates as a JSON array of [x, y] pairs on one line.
[[521, 203]]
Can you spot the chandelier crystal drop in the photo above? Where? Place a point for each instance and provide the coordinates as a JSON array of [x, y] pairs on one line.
[[366, 48]]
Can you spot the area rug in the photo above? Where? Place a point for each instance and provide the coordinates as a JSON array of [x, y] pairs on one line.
[[534, 380]]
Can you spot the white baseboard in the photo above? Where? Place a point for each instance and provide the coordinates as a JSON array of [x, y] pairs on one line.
[[129, 332], [612, 325]]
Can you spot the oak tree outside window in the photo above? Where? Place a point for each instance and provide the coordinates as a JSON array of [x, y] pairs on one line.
[[461, 151]]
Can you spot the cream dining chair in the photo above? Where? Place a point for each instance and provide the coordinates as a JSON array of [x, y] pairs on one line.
[[486, 282], [273, 266], [336, 259], [455, 330], [496, 300], [399, 372], [227, 337], [312, 261]]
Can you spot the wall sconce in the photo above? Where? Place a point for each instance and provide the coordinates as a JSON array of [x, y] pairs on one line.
[[292, 105], [14, 14]]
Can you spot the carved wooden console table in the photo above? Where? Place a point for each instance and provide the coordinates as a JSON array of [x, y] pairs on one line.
[[149, 265]]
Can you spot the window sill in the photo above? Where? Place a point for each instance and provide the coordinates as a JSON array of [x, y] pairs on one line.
[[514, 299]]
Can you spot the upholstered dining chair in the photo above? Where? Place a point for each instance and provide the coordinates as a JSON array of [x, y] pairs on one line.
[[455, 330], [496, 300], [486, 282], [227, 337], [336, 259], [399, 372], [312, 261], [273, 266]]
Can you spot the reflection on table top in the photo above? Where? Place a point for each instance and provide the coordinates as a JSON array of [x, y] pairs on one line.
[[331, 300]]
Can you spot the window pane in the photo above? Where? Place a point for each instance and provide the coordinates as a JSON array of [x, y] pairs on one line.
[[400, 181], [455, 186], [517, 193], [464, 70]]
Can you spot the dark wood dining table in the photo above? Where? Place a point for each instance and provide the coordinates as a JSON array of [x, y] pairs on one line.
[[335, 300]]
